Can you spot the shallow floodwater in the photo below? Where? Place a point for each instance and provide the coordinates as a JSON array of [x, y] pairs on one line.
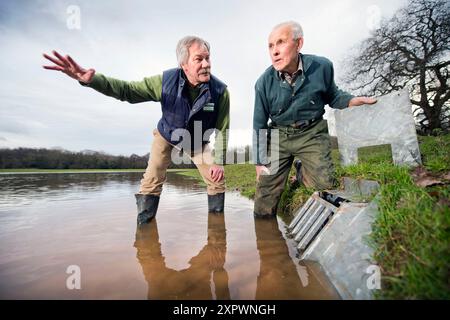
[[60, 230]]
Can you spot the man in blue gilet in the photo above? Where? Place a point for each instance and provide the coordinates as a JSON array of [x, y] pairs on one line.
[[194, 105]]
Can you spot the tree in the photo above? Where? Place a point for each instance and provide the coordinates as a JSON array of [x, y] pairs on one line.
[[411, 50]]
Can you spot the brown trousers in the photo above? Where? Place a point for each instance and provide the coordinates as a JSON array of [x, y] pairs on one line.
[[312, 147], [160, 158]]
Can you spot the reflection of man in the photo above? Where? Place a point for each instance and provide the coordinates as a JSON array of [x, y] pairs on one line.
[[194, 282], [282, 278], [292, 93], [191, 98], [278, 277]]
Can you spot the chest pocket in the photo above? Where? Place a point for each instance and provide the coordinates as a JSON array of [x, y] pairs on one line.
[[280, 103]]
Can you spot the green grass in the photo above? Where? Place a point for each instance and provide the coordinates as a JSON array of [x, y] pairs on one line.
[[192, 173], [375, 154], [239, 177], [436, 152], [411, 235]]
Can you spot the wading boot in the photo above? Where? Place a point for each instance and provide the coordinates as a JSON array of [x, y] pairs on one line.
[[216, 203], [147, 205]]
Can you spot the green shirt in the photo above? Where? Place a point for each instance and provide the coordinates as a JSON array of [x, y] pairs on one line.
[[150, 89], [304, 99], [285, 104]]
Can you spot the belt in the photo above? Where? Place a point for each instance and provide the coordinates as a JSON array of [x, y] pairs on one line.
[[300, 124], [297, 125]]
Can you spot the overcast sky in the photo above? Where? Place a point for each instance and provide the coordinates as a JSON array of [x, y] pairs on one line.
[[130, 40]]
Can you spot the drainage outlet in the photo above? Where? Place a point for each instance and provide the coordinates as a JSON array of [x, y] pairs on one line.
[[313, 216]]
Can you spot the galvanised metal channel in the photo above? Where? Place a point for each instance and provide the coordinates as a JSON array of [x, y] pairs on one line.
[[312, 217]]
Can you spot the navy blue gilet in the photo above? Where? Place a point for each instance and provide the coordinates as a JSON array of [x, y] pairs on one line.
[[177, 111]]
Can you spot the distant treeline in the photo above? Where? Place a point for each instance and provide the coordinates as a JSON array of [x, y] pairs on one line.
[[62, 159]]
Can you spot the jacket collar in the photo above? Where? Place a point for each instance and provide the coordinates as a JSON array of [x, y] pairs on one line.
[[184, 82], [306, 63]]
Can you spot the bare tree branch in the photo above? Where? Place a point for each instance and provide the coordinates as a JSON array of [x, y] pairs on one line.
[[412, 49]]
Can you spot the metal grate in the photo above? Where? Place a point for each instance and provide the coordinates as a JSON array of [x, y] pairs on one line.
[[310, 219]]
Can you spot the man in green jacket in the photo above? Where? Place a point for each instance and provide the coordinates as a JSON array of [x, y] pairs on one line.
[[292, 93], [194, 105]]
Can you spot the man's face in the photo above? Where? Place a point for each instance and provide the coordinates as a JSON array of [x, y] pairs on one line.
[[284, 49], [198, 66]]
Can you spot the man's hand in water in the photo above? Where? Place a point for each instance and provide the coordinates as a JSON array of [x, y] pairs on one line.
[[68, 66]]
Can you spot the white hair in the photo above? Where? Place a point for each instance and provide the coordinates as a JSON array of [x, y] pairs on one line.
[[183, 46], [297, 30]]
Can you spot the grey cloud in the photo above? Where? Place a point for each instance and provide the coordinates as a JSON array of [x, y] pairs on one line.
[[130, 42]]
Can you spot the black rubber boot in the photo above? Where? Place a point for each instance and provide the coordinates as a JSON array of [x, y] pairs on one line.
[[147, 205], [216, 203], [298, 174]]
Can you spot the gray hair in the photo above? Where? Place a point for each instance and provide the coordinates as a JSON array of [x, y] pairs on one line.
[[184, 45], [297, 30]]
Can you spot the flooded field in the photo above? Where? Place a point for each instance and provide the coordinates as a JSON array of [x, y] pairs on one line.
[[54, 223]]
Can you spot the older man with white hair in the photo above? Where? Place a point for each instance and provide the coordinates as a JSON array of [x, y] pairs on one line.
[[292, 94], [194, 105]]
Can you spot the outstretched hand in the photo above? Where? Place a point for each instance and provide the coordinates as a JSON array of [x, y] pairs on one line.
[[68, 66], [358, 101]]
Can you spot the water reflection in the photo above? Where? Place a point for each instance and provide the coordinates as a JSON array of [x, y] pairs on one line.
[[206, 277], [278, 277]]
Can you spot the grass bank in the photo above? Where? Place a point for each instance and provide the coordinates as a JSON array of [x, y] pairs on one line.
[[239, 177], [411, 235]]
